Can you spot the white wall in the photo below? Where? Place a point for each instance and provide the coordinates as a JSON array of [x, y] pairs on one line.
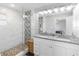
[[76, 21], [10, 33], [69, 25]]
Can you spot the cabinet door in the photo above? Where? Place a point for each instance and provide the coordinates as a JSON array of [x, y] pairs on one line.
[[36, 46], [45, 47], [60, 50]]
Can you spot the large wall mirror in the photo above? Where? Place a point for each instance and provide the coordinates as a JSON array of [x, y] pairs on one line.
[[58, 24]]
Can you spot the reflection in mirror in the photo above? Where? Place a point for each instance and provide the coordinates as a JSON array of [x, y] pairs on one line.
[[58, 24], [40, 24], [64, 23], [50, 26], [61, 26]]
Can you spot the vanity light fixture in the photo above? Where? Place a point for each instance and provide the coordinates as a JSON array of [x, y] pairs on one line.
[[56, 10], [68, 8], [62, 9], [45, 12], [50, 11], [42, 13]]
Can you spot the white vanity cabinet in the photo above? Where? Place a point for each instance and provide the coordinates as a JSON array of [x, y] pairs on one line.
[[36, 46], [61, 49], [45, 47], [42, 47]]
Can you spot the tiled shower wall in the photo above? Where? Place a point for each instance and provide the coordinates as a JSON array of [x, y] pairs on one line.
[[27, 24]]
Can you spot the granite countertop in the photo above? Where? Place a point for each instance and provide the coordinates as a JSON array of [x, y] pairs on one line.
[[73, 40]]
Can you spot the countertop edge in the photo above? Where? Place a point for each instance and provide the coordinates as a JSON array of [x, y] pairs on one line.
[[70, 42]]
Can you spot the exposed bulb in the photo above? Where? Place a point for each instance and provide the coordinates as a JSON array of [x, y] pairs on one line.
[[62, 9], [56, 10], [41, 13], [45, 12], [69, 8], [49, 11]]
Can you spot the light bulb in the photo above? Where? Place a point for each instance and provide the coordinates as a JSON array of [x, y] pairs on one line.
[[56, 10], [62, 9], [41, 13], [69, 8], [45, 12], [49, 11]]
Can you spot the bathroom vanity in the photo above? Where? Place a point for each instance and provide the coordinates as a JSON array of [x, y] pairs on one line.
[[53, 46], [55, 34]]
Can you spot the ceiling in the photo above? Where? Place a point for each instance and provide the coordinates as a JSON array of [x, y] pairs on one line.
[[20, 6], [33, 6]]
